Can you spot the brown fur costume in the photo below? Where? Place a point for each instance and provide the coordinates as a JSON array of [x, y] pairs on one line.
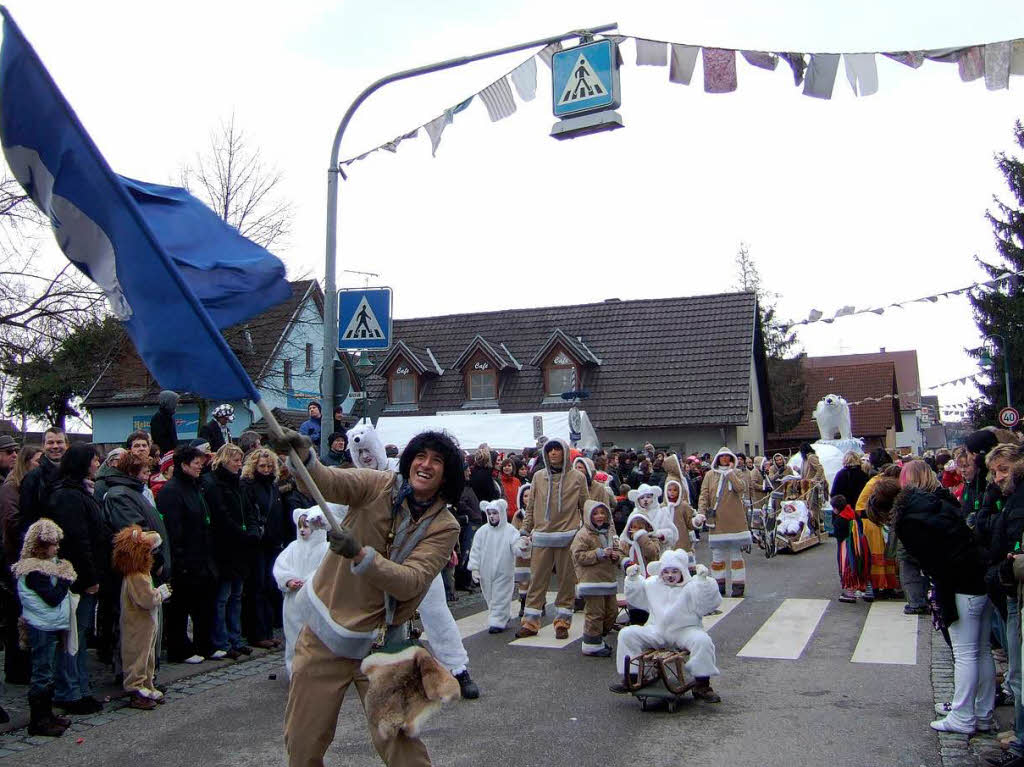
[[40, 535], [140, 602], [405, 689]]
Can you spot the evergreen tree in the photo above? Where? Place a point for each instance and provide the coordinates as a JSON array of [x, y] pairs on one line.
[[1000, 311], [786, 383]]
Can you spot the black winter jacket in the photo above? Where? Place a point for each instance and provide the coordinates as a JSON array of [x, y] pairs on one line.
[[481, 479], [187, 517], [164, 431], [267, 517], [35, 491], [212, 433], [230, 514], [125, 505], [849, 483], [933, 534], [86, 543]]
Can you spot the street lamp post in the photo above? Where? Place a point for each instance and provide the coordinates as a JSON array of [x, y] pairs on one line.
[[987, 361], [333, 170]]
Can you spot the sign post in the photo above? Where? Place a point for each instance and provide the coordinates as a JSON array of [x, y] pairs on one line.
[[1009, 417], [364, 319]]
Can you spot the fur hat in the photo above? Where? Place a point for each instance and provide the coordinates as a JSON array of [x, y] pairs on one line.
[[365, 448], [41, 534], [645, 489], [405, 689]]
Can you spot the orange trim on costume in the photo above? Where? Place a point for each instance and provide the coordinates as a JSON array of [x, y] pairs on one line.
[[718, 565]]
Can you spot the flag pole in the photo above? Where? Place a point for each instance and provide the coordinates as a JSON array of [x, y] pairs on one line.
[[299, 466]]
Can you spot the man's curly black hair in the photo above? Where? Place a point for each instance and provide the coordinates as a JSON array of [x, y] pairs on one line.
[[454, 477]]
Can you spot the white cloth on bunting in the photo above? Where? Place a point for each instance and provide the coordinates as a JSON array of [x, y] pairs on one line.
[[497, 97], [1017, 58], [392, 146], [761, 59], [548, 51], [862, 72], [524, 77], [997, 65], [435, 128], [651, 53], [821, 75], [684, 60], [972, 63]]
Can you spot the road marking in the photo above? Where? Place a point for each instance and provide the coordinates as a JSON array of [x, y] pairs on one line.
[[785, 634], [728, 605], [888, 636], [546, 636]]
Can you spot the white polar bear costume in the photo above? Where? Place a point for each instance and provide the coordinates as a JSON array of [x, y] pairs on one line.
[[676, 614], [367, 451], [647, 498], [492, 560], [832, 415], [794, 518], [299, 562]]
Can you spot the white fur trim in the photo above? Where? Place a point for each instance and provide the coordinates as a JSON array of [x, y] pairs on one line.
[[369, 554], [379, 659]]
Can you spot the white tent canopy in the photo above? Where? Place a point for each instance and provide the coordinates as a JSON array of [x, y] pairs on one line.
[[501, 431]]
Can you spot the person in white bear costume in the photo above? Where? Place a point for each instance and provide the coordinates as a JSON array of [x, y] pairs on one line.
[[492, 561], [793, 518], [367, 451], [647, 498], [677, 604]]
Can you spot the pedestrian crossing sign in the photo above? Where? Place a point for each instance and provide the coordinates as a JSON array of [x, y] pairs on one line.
[[585, 79], [364, 319]]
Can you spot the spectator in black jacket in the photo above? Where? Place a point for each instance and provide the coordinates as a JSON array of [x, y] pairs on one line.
[[470, 518], [218, 430], [38, 484], [850, 480], [481, 477], [162, 426], [261, 595], [230, 514], [975, 473], [87, 547], [918, 474], [931, 530], [194, 578]]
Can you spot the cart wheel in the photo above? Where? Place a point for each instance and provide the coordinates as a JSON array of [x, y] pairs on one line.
[[643, 704], [672, 706]]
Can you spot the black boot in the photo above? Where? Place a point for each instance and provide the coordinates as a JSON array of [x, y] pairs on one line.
[[522, 605], [702, 690], [467, 686], [721, 588], [41, 721], [737, 589]]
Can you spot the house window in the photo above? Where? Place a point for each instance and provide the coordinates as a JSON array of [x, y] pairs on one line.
[[287, 374], [403, 387], [560, 379], [309, 356], [746, 448], [482, 385], [757, 449]]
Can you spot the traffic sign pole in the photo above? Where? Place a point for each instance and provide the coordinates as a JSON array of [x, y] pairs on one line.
[[334, 170]]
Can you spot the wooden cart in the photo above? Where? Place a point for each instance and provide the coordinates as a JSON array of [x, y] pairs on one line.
[[660, 675]]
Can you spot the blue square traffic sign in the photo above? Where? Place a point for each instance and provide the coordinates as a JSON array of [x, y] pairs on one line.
[[364, 318], [585, 79]]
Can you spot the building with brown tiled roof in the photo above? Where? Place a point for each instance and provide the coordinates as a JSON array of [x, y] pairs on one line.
[[876, 419], [686, 373]]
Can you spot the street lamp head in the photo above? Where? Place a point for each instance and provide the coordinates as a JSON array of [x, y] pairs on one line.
[[985, 359]]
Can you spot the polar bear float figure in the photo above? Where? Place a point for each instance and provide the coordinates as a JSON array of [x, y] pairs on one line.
[[832, 415]]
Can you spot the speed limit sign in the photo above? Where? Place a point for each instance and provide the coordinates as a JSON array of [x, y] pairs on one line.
[[1009, 417]]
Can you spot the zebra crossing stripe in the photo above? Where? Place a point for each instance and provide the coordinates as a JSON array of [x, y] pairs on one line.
[[728, 605], [889, 636], [786, 633]]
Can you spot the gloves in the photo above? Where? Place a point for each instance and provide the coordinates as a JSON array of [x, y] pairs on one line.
[[701, 571], [164, 590], [476, 576], [342, 542], [633, 571], [699, 520], [291, 439]]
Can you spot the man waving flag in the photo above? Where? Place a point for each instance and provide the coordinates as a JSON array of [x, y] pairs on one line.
[[173, 272]]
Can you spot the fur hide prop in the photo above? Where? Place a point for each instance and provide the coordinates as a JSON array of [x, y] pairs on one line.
[[406, 688]]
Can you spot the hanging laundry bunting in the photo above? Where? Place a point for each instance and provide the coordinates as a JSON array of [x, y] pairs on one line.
[[972, 63], [651, 53], [997, 65], [719, 70], [392, 146], [761, 60], [524, 77], [862, 72], [435, 128], [684, 59], [797, 63], [548, 51], [1017, 57], [497, 97], [912, 59], [844, 311], [821, 75], [814, 316]]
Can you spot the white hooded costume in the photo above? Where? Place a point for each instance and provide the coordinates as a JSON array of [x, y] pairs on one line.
[[299, 562], [793, 518], [367, 451], [492, 561], [661, 517], [676, 614]]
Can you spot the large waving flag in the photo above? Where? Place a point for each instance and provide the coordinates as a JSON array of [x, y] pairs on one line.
[[173, 271]]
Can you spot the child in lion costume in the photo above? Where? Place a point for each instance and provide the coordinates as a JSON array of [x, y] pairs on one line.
[[140, 613]]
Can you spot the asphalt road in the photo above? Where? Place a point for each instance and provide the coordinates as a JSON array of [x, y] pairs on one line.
[[552, 706]]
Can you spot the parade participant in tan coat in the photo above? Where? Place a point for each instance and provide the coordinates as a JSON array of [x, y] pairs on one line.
[[553, 515], [397, 535], [525, 551], [594, 555], [721, 498], [597, 490], [677, 500]]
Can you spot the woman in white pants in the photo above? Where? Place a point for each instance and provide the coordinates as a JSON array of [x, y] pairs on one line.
[[933, 533]]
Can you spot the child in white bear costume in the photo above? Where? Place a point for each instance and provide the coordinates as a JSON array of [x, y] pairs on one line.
[[793, 518], [492, 561], [297, 564], [677, 604], [647, 498]]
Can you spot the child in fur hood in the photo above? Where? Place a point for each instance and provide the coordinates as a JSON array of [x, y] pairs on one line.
[[492, 561], [140, 613], [639, 547], [594, 555], [47, 615], [522, 576]]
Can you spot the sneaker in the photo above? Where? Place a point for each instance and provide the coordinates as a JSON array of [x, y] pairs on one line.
[[194, 659], [218, 655], [141, 702], [244, 650], [494, 630], [944, 725], [847, 598], [265, 644], [233, 654], [989, 725], [467, 687], [603, 652], [943, 709]]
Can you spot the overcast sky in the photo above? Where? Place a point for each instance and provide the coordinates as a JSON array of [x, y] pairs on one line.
[[848, 201]]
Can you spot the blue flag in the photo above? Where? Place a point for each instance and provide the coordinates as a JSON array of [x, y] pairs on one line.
[[173, 272]]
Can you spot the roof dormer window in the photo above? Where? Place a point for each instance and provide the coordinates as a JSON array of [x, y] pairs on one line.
[[402, 385]]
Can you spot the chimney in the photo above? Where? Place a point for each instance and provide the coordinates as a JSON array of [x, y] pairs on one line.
[[612, 300], [882, 350]]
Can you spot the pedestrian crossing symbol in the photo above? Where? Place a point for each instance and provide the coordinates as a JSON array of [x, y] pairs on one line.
[[364, 319], [585, 78]]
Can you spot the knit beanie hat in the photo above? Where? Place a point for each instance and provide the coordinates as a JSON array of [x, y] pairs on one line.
[[981, 441]]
